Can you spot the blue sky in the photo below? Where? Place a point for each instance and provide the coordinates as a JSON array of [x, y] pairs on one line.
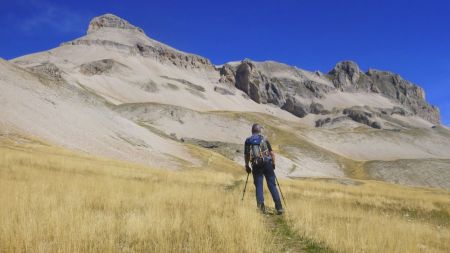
[[411, 38]]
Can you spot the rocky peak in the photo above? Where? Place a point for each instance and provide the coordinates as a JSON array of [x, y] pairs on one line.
[[258, 85], [412, 96], [110, 21], [345, 74], [135, 44], [294, 94]]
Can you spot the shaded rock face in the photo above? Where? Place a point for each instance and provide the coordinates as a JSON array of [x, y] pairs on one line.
[[410, 95], [174, 57], [259, 84], [111, 21], [264, 88], [98, 67], [317, 108], [322, 122], [49, 70], [223, 91], [396, 110], [295, 107], [356, 114], [188, 84], [330, 121], [164, 55], [345, 74], [158, 51], [285, 86], [399, 111], [227, 74], [362, 117]]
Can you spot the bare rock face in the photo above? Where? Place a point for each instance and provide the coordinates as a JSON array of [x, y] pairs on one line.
[[168, 55], [111, 21], [356, 114], [295, 107], [223, 91], [259, 83], [399, 111], [408, 94], [345, 74], [317, 108], [49, 70], [362, 117], [142, 45], [285, 86], [227, 74], [331, 120], [257, 86], [99, 67], [322, 122], [248, 80]]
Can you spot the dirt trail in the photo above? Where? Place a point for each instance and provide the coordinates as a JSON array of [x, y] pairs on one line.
[[286, 239]]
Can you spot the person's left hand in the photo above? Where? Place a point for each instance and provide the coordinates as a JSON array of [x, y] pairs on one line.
[[248, 169]]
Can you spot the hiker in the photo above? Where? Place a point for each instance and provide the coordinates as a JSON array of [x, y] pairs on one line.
[[259, 154]]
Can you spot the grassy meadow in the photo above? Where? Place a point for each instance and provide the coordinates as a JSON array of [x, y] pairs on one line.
[[53, 200], [56, 200], [370, 216]]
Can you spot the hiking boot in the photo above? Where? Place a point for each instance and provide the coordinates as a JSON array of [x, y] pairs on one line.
[[262, 207], [279, 208]]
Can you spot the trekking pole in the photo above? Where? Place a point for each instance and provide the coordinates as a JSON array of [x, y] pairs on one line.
[[284, 201], [245, 187]]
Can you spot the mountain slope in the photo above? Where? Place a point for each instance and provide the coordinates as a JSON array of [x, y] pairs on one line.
[[35, 105], [116, 92]]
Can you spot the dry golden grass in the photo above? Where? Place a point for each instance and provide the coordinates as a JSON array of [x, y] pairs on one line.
[[372, 217], [56, 200], [53, 200]]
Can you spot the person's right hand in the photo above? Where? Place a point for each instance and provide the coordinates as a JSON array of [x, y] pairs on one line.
[[248, 169]]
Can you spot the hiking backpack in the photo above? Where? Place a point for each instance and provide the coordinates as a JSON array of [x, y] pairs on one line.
[[259, 151]]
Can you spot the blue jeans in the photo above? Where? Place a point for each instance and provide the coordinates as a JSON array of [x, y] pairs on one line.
[[267, 171]]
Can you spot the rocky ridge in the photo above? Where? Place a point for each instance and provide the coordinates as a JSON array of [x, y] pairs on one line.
[[117, 93], [296, 93], [292, 89]]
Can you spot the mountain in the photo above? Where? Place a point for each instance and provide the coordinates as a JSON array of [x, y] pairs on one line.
[[115, 92], [301, 92]]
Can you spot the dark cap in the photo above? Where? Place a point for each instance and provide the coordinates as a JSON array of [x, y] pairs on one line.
[[256, 128]]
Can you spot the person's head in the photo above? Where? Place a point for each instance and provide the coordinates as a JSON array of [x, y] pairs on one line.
[[256, 128]]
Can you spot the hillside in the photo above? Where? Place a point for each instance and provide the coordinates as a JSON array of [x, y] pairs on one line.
[[54, 200], [115, 142], [117, 93]]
